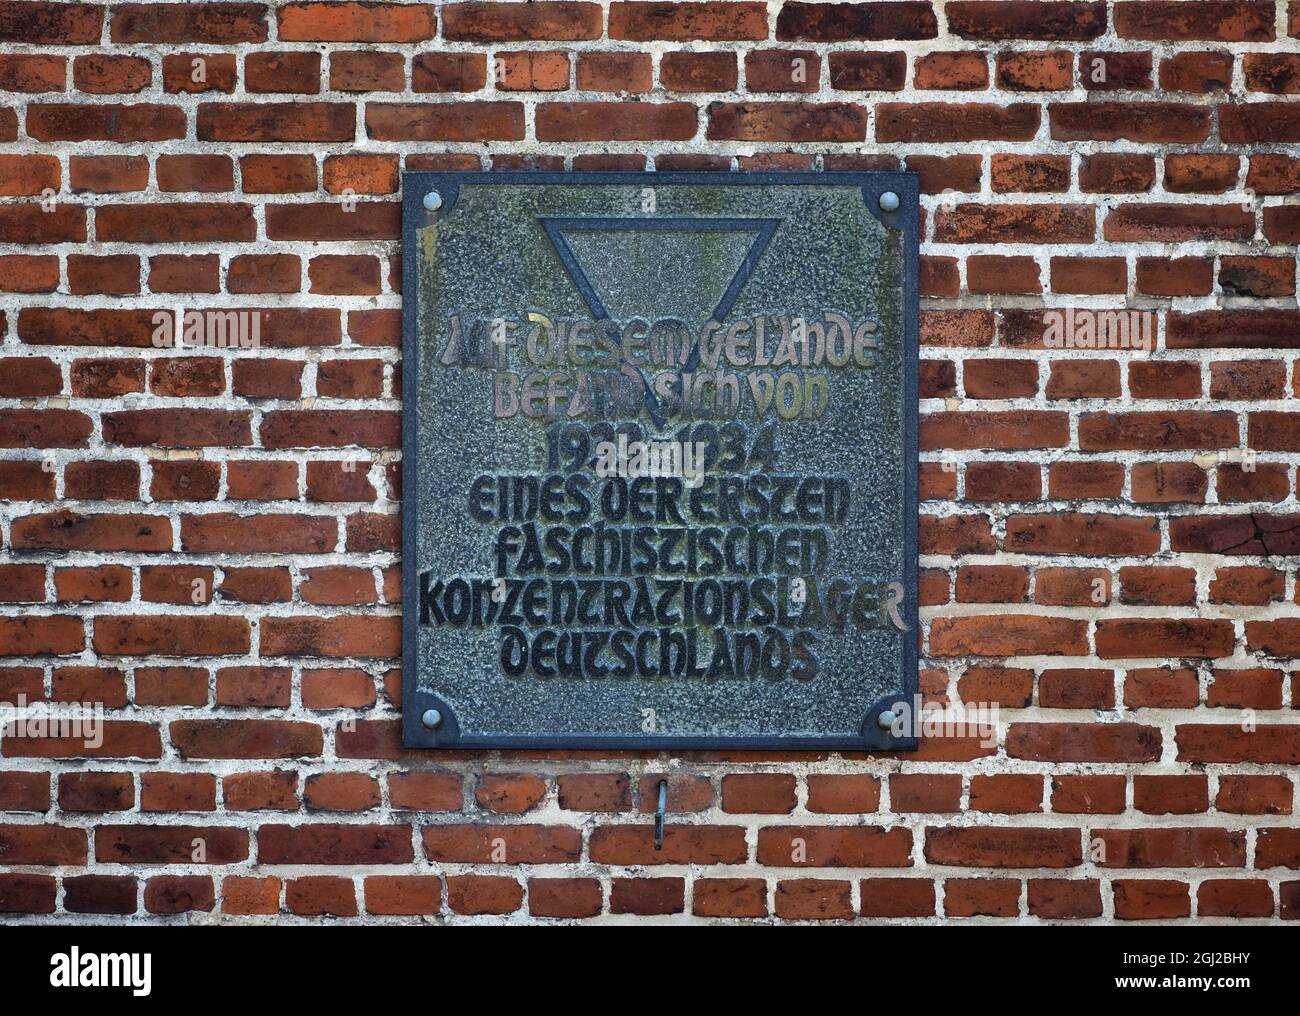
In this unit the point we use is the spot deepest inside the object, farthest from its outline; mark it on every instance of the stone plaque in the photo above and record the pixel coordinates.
(659, 460)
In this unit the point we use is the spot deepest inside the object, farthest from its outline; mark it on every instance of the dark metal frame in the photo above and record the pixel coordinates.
(872, 737)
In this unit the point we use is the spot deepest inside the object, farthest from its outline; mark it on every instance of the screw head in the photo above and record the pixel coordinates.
(889, 201)
(433, 201)
(885, 720)
(432, 719)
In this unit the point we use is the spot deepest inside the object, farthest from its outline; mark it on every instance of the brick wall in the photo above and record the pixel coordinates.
(207, 542)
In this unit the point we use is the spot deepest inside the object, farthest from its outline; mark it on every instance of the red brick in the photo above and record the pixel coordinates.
(617, 72)
(1085, 479)
(404, 895)
(32, 73)
(707, 20)
(28, 175)
(1250, 688)
(22, 273)
(976, 19)
(763, 793)
(647, 896)
(265, 791)
(356, 22)
(1200, 174)
(1083, 742)
(1077, 688)
(28, 223)
(1257, 276)
(1171, 848)
(1175, 276)
(1100, 71)
(498, 844)
(262, 273)
(283, 72)
(1197, 72)
(1064, 899)
(960, 70)
(897, 897)
(277, 174)
(364, 71)
(992, 584)
(1089, 275)
(249, 895)
(184, 273)
(344, 275)
(483, 894)
(981, 897)
(698, 72)
(27, 894)
(564, 897)
(786, 121)
(1171, 795)
(938, 121)
(73, 24)
(1220, 742)
(1163, 122)
(834, 846)
(1003, 848)
(210, 23)
(1223, 20)
(116, 122)
(1234, 898)
(275, 121)
(992, 224)
(1030, 174)
(853, 794)
(1116, 173)
(1088, 795)
(868, 72)
(170, 844)
(321, 896)
(991, 273)
(1040, 71)
(1168, 483)
(196, 73)
(1272, 174)
(178, 791)
(730, 897)
(603, 792)
(455, 72)
(811, 899)
(100, 894)
(1158, 637)
(509, 794)
(1255, 795)
(521, 22)
(96, 792)
(1160, 687)
(102, 74)
(1252, 586)
(826, 22)
(179, 894)
(924, 792)
(341, 792)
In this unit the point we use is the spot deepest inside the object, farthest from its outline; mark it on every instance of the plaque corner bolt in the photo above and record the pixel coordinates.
(432, 201)
(885, 721)
(888, 201)
(431, 718)
(660, 811)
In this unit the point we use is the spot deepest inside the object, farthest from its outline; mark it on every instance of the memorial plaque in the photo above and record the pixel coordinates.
(659, 460)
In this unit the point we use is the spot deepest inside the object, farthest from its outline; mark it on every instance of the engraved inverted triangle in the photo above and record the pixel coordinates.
(691, 268)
